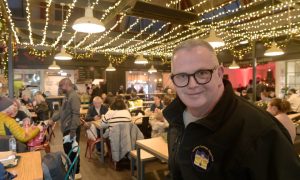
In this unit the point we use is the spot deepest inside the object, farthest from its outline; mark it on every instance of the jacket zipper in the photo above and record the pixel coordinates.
(177, 142)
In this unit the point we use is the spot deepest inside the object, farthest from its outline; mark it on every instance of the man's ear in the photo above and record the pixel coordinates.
(221, 72)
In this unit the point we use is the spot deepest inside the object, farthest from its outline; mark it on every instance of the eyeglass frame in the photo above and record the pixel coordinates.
(211, 71)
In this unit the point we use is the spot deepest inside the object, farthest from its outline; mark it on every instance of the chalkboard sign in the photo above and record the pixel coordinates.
(85, 73)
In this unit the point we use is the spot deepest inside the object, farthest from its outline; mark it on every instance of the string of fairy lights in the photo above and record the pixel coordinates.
(254, 25)
(65, 23)
(3, 40)
(28, 21)
(46, 22)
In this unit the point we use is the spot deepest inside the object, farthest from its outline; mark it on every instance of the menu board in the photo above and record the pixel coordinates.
(85, 73)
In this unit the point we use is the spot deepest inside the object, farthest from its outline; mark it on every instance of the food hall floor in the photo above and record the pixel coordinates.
(93, 169)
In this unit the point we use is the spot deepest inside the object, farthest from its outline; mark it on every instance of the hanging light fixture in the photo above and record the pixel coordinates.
(110, 68)
(88, 23)
(140, 59)
(54, 65)
(152, 69)
(274, 50)
(62, 55)
(234, 65)
(213, 40)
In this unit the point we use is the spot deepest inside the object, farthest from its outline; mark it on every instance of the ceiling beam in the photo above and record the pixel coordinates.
(122, 7)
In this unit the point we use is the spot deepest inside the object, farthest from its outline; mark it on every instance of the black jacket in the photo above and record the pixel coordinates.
(235, 141)
(92, 112)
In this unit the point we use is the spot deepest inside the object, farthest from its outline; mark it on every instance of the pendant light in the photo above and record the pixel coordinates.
(152, 69)
(110, 68)
(274, 50)
(62, 55)
(54, 66)
(140, 59)
(213, 40)
(88, 23)
(234, 65)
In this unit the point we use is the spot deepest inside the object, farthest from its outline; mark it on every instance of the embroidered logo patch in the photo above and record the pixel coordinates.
(202, 158)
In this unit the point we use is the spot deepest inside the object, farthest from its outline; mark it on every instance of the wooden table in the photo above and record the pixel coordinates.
(98, 126)
(156, 146)
(292, 116)
(29, 166)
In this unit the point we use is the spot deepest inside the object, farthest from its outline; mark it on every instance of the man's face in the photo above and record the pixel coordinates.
(63, 87)
(97, 104)
(189, 61)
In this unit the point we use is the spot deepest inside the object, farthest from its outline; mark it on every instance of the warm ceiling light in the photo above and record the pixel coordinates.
(110, 68)
(152, 69)
(141, 60)
(88, 23)
(213, 40)
(274, 50)
(234, 65)
(54, 66)
(63, 55)
(244, 42)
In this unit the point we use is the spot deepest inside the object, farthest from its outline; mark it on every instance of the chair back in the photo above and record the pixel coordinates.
(73, 166)
(145, 127)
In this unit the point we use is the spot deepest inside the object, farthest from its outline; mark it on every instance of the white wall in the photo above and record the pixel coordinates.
(51, 82)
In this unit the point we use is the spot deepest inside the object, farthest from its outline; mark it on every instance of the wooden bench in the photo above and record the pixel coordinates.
(145, 156)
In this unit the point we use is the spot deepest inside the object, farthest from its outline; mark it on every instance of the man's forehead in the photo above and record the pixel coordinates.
(201, 55)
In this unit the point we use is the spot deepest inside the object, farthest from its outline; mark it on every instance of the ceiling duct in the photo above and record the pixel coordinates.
(152, 11)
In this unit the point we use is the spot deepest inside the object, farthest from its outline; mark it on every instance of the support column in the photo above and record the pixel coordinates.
(10, 67)
(254, 62)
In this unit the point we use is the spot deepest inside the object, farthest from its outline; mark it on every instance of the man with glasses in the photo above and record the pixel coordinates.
(213, 133)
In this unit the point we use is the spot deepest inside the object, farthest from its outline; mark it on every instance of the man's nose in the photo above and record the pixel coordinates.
(192, 82)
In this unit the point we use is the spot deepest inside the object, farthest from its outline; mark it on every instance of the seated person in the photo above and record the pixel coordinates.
(22, 107)
(118, 113)
(278, 108)
(294, 100)
(157, 103)
(96, 110)
(135, 101)
(8, 126)
(158, 124)
(109, 99)
(41, 107)
(19, 115)
(167, 100)
(26, 100)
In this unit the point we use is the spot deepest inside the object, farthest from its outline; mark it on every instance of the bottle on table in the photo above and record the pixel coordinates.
(12, 144)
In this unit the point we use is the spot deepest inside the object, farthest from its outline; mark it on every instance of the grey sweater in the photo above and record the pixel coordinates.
(69, 113)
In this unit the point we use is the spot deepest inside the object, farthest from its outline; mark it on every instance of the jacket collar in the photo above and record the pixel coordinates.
(173, 113)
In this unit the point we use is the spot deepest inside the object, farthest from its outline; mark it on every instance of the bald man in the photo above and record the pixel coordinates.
(214, 134)
(69, 115)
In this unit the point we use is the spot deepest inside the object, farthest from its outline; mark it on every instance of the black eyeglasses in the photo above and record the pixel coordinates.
(202, 76)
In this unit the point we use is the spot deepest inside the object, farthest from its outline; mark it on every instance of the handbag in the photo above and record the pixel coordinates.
(38, 140)
(92, 132)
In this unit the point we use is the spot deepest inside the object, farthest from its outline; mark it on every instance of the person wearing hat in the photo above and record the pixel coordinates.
(9, 126)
